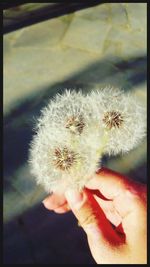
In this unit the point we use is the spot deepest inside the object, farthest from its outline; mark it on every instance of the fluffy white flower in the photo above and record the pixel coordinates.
(121, 117)
(68, 111)
(74, 131)
(58, 163)
(64, 152)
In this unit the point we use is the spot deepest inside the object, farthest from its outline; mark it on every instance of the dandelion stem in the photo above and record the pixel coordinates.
(104, 141)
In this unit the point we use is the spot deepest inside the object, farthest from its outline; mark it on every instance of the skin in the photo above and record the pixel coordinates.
(112, 210)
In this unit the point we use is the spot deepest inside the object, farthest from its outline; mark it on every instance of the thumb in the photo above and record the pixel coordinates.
(91, 217)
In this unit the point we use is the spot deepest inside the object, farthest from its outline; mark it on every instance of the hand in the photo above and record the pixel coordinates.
(112, 211)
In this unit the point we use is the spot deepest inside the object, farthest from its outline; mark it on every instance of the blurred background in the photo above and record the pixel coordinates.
(47, 48)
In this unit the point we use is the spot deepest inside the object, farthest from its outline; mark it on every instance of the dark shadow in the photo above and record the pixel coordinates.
(42, 236)
(137, 70)
(26, 19)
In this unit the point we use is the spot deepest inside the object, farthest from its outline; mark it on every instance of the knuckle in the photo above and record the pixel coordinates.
(87, 218)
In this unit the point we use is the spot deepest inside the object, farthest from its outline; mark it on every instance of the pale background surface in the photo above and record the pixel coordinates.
(91, 48)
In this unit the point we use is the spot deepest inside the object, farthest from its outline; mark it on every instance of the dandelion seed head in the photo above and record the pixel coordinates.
(58, 164)
(74, 131)
(69, 111)
(122, 116)
(63, 151)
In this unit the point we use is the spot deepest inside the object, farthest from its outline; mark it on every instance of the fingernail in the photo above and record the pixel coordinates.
(75, 198)
(43, 201)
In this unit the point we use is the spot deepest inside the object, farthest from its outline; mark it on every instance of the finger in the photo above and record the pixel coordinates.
(135, 225)
(107, 206)
(63, 209)
(110, 211)
(110, 183)
(54, 201)
(92, 218)
(97, 193)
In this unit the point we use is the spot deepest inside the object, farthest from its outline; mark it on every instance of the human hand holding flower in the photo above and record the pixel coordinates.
(112, 211)
(73, 133)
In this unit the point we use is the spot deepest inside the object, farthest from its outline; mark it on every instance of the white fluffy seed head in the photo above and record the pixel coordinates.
(58, 163)
(64, 150)
(74, 131)
(121, 117)
(69, 111)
